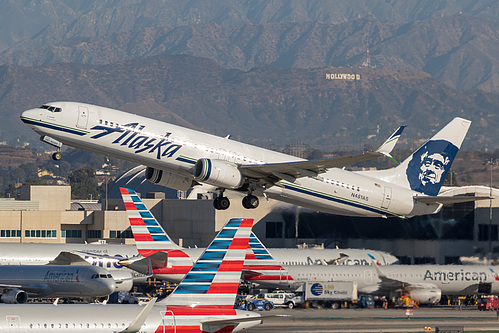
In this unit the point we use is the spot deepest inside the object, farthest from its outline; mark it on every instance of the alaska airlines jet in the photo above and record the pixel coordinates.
(426, 283)
(151, 238)
(180, 158)
(202, 302)
(17, 282)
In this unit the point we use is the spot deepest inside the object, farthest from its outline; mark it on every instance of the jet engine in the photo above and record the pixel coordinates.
(218, 173)
(427, 295)
(168, 179)
(15, 296)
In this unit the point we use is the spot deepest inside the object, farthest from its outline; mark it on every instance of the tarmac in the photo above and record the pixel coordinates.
(450, 319)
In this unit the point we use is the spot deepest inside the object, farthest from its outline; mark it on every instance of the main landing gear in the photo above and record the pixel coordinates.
(222, 203)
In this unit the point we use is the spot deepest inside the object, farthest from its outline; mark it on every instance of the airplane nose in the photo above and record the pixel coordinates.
(29, 115)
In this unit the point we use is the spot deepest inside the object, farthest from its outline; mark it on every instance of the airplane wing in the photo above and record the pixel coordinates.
(240, 320)
(32, 288)
(68, 258)
(311, 168)
(448, 200)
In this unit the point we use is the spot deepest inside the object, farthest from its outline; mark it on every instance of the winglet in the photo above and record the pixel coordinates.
(137, 323)
(387, 146)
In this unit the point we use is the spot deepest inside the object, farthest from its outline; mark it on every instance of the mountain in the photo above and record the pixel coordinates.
(459, 50)
(264, 106)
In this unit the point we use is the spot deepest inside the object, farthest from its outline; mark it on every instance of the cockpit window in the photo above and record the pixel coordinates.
(51, 108)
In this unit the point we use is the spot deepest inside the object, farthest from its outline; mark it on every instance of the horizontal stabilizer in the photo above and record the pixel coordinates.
(68, 258)
(448, 200)
(141, 264)
(240, 320)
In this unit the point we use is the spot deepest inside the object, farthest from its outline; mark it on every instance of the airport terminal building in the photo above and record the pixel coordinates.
(46, 214)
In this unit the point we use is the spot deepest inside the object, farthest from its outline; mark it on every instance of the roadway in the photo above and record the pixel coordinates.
(378, 320)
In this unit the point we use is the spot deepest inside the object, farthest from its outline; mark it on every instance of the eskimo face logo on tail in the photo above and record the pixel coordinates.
(429, 166)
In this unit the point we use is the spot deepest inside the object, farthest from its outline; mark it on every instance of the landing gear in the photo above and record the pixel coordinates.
(56, 156)
(250, 201)
(221, 203)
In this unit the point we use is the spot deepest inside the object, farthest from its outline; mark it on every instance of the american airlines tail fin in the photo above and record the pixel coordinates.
(260, 265)
(425, 170)
(149, 235)
(214, 279)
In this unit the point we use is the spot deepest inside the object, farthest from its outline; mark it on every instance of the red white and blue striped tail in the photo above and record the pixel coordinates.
(149, 235)
(259, 265)
(214, 279)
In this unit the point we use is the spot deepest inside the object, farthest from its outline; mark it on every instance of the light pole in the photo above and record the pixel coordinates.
(491, 162)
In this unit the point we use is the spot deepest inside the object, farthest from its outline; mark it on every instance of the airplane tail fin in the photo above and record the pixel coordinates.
(259, 264)
(149, 235)
(214, 279)
(425, 170)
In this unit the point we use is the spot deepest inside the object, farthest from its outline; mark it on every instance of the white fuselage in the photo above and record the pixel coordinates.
(450, 279)
(41, 254)
(176, 149)
(58, 280)
(101, 318)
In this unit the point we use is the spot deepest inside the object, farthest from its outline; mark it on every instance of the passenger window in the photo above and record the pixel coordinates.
(100, 121)
(111, 124)
(105, 123)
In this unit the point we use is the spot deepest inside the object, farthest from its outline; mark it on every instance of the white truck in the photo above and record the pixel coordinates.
(323, 294)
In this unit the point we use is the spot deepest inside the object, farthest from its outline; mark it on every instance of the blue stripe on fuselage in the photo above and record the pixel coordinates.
(341, 201)
(52, 126)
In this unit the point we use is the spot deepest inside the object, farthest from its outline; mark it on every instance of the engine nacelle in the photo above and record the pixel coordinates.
(168, 179)
(218, 173)
(123, 279)
(427, 295)
(15, 296)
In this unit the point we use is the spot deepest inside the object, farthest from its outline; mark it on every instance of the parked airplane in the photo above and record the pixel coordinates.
(17, 282)
(180, 158)
(150, 238)
(202, 302)
(426, 283)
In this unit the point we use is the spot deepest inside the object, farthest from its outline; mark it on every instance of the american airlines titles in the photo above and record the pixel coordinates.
(133, 138)
(61, 276)
(455, 276)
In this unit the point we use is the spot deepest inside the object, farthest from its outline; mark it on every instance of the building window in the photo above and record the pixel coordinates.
(485, 235)
(40, 233)
(94, 233)
(121, 233)
(424, 260)
(273, 229)
(71, 233)
(10, 233)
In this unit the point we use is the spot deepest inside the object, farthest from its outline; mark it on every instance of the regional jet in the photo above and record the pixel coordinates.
(151, 238)
(17, 282)
(426, 283)
(181, 158)
(202, 302)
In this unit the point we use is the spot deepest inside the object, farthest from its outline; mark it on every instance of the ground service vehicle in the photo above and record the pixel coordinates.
(488, 303)
(253, 303)
(277, 298)
(324, 294)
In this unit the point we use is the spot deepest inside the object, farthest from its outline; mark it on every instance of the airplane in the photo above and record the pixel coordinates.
(17, 282)
(180, 158)
(151, 238)
(202, 302)
(426, 283)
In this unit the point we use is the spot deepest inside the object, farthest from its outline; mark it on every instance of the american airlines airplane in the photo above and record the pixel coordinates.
(181, 158)
(17, 282)
(202, 302)
(151, 238)
(426, 283)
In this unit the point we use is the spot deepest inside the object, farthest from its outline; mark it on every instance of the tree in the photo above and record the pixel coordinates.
(83, 184)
